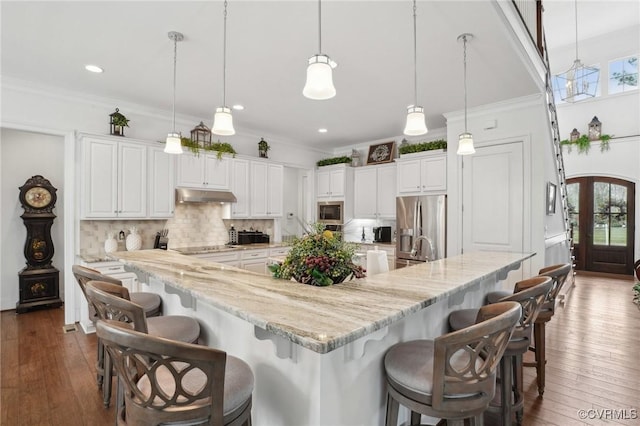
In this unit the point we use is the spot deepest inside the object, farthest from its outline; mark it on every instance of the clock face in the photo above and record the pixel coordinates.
(38, 197)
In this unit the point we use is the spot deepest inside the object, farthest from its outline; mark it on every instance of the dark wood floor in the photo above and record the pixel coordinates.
(593, 351)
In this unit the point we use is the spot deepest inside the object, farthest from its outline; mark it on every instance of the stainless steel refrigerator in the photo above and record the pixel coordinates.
(417, 216)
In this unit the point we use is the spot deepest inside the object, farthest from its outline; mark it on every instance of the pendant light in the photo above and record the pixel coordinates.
(416, 124)
(174, 144)
(223, 120)
(465, 142)
(579, 82)
(319, 85)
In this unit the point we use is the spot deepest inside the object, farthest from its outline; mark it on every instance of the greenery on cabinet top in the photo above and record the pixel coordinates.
(423, 146)
(334, 160)
(584, 143)
(219, 147)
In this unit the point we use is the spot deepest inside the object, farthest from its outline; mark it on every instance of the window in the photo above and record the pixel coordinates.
(623, 75)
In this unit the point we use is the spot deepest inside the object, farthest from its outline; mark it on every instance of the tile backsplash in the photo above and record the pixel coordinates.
(191, 225)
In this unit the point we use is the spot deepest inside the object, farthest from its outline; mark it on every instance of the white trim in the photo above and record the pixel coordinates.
(496, 107)
(555, 240)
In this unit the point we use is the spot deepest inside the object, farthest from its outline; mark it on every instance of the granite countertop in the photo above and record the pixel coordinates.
(320, 318)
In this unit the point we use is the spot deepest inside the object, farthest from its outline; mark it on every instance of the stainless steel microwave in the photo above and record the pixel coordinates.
(331, 212)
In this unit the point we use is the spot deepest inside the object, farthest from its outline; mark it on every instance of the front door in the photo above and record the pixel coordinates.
(602, 212)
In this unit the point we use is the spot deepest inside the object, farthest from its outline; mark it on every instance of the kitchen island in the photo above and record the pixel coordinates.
(317, 352)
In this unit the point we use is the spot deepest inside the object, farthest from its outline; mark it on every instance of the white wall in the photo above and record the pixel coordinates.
(525, 120)
(25, 154)
(47, 107)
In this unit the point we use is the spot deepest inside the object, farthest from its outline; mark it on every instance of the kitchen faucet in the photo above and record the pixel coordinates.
(414, 249)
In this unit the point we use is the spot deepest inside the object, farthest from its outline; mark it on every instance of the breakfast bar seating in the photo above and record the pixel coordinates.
(112, 303)
(151, 303)
(167, 381)
(454, 376)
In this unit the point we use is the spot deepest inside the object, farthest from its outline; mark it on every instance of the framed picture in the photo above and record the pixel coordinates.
(551, 198)
(381, 153)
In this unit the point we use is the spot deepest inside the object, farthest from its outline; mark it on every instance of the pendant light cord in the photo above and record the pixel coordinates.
(320, 27)
(464, 41)
(415, 60)
(175, 61)
(576, 16)
(224, 59)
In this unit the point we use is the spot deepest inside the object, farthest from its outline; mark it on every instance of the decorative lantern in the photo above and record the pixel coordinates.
(575, 134)
(201, 134)
(355, 158)
(117, 123)
(595, 129)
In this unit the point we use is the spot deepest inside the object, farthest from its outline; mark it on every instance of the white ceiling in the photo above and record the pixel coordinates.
(268, 45)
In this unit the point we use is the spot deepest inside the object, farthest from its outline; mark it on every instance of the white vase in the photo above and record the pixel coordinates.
(134, 240)
(110, 244)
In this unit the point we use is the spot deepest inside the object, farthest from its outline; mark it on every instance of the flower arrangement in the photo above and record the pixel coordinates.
(319, 259)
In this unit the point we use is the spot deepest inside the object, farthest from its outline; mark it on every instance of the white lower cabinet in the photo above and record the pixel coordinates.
(228, 258)
(254, 260)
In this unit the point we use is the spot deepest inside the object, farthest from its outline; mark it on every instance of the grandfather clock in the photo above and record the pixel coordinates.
(39, 280)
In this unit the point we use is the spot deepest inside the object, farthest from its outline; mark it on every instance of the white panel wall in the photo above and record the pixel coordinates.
(24, 154)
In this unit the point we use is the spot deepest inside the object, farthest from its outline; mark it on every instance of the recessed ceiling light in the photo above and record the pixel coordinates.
(238, 107)
(322, 130)
(93, 68)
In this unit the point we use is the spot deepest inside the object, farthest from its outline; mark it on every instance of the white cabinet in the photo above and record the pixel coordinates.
(266, 189)
(113, 179)
(161, 183)
(422, 173)
(227, 258)
(332, 181)
(254, 260)
(375, 192)
(240, 188)
(203, 171)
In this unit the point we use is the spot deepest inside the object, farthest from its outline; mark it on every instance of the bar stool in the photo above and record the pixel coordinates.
(559, 274)
(150, 302)
(171, 382)
(112, 303)
(453, 376)
(531, 295)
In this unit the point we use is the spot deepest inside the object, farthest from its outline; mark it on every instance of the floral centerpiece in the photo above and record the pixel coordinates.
(319, 259)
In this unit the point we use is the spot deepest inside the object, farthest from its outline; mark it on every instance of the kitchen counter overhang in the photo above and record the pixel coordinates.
(321, 318)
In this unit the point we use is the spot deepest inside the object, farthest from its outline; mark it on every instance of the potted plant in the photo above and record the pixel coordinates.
(584, 143)
(219, 147)
(334, 160)
(263, 147)
(118, 122)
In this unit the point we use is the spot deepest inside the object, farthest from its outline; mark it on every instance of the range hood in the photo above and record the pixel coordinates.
(188, 195)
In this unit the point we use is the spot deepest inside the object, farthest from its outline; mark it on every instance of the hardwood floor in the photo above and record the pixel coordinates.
(593, 347)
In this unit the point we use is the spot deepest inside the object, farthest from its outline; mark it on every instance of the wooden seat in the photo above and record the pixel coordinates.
(558, 274)
(531, 295)
(150, 302)
(112, 302)
(453, 376)
(167, 382)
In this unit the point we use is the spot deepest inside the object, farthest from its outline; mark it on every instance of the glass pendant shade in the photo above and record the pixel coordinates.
(416, 124)
(174, 144)
(319, 85)
(465, 144)
(223, 122)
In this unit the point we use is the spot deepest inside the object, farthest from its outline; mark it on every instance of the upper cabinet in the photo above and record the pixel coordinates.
(375, 192)
(240, 188)
(266, 189)
(161, 183)
(422, 173)
(203, 170)
(333, 181)
(114, 179)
